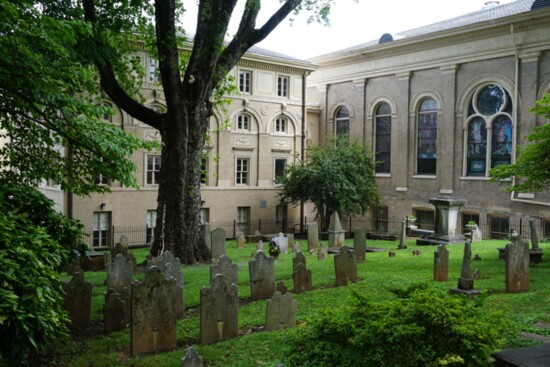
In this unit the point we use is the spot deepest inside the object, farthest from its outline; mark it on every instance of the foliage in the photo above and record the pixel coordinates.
(35, 241)
(336, 177)
(273, 247)
(532, 166)
(422, 327)
(51, 110)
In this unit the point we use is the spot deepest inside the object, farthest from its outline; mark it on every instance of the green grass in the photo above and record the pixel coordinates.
(378, 275)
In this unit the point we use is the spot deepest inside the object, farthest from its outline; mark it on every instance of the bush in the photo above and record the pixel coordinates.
(422, 327)
(31, 293)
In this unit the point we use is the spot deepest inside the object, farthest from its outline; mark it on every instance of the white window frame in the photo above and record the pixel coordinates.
(150, 224)
(243, 122)
(153, 75)
(283, 83)
(242, 176)
(281, 125)
(101, 236)
(245, 81)
(275, 169)
(205, 165)
(154, 178)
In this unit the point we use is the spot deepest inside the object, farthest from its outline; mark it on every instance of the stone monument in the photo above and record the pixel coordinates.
(336, 235)
(446, 222)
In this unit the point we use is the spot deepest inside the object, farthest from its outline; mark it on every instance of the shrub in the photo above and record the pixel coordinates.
(421, 327)
(31, 293)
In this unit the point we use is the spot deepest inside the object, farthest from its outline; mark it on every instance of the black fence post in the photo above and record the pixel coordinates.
(260, 225)
(234, 228)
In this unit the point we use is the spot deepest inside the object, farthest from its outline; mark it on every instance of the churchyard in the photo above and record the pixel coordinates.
(529, 312)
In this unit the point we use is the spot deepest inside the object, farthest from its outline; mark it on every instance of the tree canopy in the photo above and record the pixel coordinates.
(532, 166)
(336, 177)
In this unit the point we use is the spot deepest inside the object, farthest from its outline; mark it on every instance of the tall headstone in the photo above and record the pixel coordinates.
(260, 246)
(207, 235)
(115, 310)
(119, 248)
(403, 237)
(466, 280)
(219, 311)
(299, 258)
(262, 277)
(345, 266)
(360, 244)
(535, 253)
(154, 314)
(119, 274)
(78, 300)
(218, 243)
(441, 264)
(280, 312)
(302, 279)
(225, 268)
(312, 236)
(74, 267)
(322, 252)
(517, 265)
(241, 239)
(476, 234)
(170, 267)
(191, 359)
(290, 241)
(336, 235)
(446, 222)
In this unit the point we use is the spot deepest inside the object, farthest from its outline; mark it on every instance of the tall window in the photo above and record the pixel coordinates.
(243, 122)
(150, 226)
(243, 215)
(490, 108)
(204, 215)
(241, 171)
(342, 121)
(153, 169)
(282, 86)
(101, 230)
(154, 73)
(427, 138)
(204, 171)
(281, 218)
(280, 125)
(280, 166)
(245, 77)
(383, 138)
(499, 227)
(380, 219)
(425, 219)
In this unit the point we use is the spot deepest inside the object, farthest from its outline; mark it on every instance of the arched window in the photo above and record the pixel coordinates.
(383, 138)
(243, 122)
(342, 121)
(281, 125)
(490, 107)
(427, 138)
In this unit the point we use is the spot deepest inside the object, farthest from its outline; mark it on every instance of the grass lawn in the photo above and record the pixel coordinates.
(377, 275)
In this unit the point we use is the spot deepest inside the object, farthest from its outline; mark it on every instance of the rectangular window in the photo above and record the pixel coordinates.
(427, 143)
(425, 219)
(150, 226)
(153, 169)
(467, 218)
(280, 125)
(499, 227)
(281, 218)
(383, 144)
(154, 73)
(101, 234)
(204, 171)
(380, 219)
(204, 215)
(280, 166)
(241, 171)
(282, 86)
(546, 229)
(243, 122)
(243, 215)
(245, 77)
(103, 180)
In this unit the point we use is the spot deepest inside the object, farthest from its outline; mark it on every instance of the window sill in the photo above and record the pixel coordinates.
(429, 177)
(387, 175)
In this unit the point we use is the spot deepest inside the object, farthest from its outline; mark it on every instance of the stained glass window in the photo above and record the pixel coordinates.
(427, 138)
(383, 138)
(342, 121)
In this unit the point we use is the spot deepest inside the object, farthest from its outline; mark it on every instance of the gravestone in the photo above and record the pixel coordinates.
(132, 259)
(296, 247)
(345, 266)
(78, 300)
(107, 257)
(74, 267)
(517, 265)
(360, 244)
(115, 310)
(207, 235)
(476, 234)
(391, 254)
(219, 311)
(535, 254)
(302, 279)
(336, 235)
(290, 241)
(299, 258)
(446, 222)
(218, 243)
(322, 252)
(281, 287)
(312, 236)
(441, 264)
(466, 280)
(262, 277)
(154, 313)
(170, 267)
(403, 237)
(225, 268)
(241, 239)
(282, 241)
(191, 359)
(416, 252)
(121, 247)
(260, 246)
(476, 274)
(280, 312)
(119, 280)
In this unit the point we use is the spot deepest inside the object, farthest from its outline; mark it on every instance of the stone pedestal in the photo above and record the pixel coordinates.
(446, 222)
(336, 235)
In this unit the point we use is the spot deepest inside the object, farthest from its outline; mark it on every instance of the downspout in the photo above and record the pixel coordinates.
(514, 139)
(303, 147)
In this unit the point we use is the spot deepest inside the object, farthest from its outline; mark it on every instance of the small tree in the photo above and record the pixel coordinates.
(532, 165)
(338, 177)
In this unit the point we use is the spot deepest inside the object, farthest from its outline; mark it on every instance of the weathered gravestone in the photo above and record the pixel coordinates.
(154, 313)
(281, 287)
(74, 267)
(119, 280)
(517, 265)
(218, 243)
(535, 254)
(78, 300)
(282, 241)
(441, 264)
(466, 280)
(280, 312)
(241, 239)
(191, 359)
(312, 236)
(345, 266)
(299, 258)
(219, 311)
(403, 237)
(302, 278)
(360, 244)
(260, 246)
(116, 311)
(290, 241)
(476, 234)
(225, 268)
(296, 247)
(322, 252)
(107, 257)
(120, 248)
(262, 277)
(336, 235)
(207, 235)
(170, 267)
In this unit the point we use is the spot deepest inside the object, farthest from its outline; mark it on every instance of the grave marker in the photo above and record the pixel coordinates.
(517, 265)
(78, 300)
(280, 312)
(466, 280)
(219, 311)
(262, 277)
(345, 266)
(191, 359)
(312, 236)
(218, 243)
(441, 264)
(170, 267)
(360, 244)
(336, 235)
(225, 268)
(302, 279)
